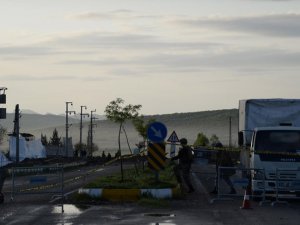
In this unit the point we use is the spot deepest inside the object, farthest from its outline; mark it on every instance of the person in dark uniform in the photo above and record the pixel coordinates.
(185, 156)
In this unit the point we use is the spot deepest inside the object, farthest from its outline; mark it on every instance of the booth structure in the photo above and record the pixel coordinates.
(3, 160)
(28, 147)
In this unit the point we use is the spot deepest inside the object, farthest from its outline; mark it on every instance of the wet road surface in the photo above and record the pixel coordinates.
(194, 208)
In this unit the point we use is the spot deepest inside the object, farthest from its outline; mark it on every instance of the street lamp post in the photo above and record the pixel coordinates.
(68, 126)
(81, 115)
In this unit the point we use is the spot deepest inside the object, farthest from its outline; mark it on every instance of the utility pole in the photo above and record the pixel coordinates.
(68, 126)
(91, 132)
(81, 115)
(16, 132)
(230, 139)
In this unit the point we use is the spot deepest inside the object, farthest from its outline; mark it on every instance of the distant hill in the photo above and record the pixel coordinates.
(106, 132)
(34, 121)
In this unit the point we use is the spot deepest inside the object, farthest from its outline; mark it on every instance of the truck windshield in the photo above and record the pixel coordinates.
(278, 141)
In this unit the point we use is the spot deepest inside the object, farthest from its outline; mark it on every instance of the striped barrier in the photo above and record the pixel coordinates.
(129, 194)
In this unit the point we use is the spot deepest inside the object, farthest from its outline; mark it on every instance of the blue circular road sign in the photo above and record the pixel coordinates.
(157, 132)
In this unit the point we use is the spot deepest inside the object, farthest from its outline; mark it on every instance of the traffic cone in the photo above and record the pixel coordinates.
(246, 202)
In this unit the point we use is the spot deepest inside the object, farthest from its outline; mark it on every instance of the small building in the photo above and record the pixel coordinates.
(28, 147)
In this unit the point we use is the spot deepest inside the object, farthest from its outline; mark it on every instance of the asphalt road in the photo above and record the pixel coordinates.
(193, 209)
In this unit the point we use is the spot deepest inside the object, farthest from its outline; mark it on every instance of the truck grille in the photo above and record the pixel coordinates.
(284, 176)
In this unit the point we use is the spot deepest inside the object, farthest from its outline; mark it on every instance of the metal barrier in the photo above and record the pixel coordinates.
(202, 156)
(282, 185)
(38, 180)
(203, 164)
(233, 181)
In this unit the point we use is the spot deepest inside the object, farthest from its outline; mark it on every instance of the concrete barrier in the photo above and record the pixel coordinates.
(129, 194)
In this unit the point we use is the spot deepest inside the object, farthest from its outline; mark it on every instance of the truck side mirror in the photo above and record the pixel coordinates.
(2, 98)
(241, 138)
(2, 113)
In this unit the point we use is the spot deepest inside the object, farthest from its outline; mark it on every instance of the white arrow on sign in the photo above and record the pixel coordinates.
(157, 133)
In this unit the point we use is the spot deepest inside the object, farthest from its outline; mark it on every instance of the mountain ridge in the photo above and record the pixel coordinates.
(106, 132)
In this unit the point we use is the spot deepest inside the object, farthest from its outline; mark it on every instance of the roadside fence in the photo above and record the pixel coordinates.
(282, 185)
(233, 181)
(38, 180)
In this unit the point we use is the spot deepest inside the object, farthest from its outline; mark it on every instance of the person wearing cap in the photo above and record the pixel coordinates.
(185, 156)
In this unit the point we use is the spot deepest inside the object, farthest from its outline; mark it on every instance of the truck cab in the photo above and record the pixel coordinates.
(276, 150)
(269, 137)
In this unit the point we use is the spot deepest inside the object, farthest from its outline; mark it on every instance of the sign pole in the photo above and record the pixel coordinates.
(173, 139)
(172, 149)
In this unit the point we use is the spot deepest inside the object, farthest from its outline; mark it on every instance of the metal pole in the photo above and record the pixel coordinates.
(91, 134)
(81, 115)
(62, 189)
(17, 124)
(230, 143)
(67, 126)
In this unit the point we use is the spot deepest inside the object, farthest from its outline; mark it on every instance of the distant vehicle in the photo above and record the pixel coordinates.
(269, 134)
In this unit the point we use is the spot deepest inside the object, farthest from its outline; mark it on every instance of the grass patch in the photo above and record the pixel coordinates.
(132, 179)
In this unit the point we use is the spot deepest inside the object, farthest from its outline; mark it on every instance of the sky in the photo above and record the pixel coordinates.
(170, 56)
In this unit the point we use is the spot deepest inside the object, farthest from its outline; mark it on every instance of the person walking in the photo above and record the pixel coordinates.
(185, 156)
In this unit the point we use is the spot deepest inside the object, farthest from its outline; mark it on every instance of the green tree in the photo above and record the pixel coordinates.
(3, 132)
(201, 140)
(141, 126)
(44, 140)
(108, 158)
(214, 139)
(103, 156)
(55, 140)
(118, 113)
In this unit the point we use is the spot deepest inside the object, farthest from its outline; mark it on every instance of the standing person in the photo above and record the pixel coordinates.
(185, 156)
(224, 160)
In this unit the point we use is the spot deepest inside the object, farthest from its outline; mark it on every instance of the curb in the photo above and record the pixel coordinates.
(129, 194)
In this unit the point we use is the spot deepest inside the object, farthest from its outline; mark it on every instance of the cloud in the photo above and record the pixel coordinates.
(30, 78)
(272, 0)
(276, 25)
(246, 59)
(25, 50)
(94, 15)
(38, 78)
(109, 41)
(112, 15)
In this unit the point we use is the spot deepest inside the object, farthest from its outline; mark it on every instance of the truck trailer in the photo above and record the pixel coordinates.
(269, 137)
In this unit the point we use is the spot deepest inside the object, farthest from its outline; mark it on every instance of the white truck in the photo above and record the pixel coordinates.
(269, 136)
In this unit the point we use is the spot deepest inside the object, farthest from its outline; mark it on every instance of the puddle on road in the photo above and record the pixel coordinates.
(163, 223)
(112, 217)
(70, 209)
(7, 215)
(166, 222)
(159, 214)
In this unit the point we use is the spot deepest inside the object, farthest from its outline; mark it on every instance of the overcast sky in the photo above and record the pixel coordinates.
(167, 55)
